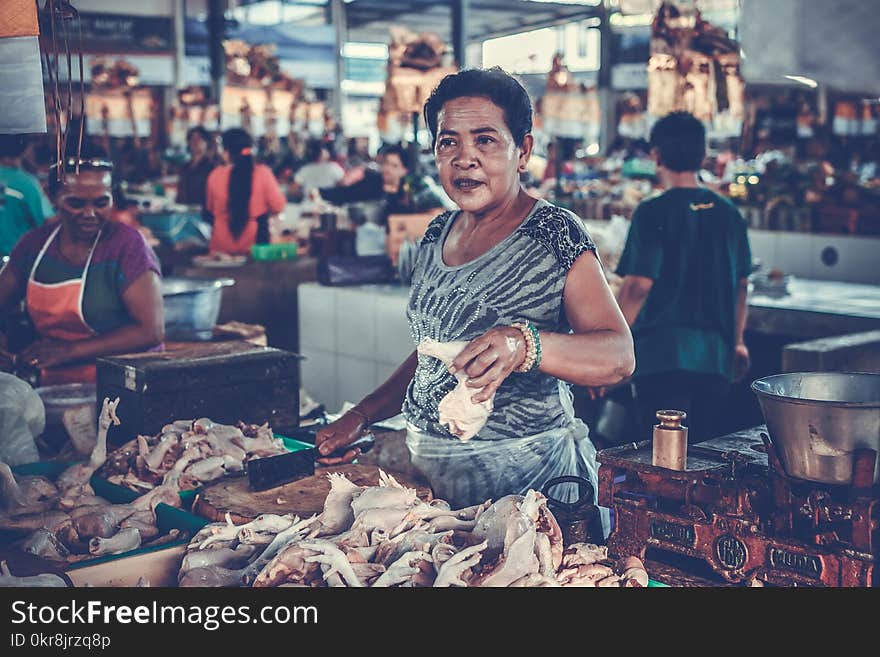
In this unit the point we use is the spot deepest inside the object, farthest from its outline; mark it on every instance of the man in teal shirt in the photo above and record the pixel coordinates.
(685, 267)
(23, 205)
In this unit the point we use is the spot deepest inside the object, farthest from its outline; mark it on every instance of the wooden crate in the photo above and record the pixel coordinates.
(224, 381)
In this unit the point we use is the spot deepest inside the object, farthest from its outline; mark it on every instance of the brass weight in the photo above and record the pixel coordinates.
(670, 440)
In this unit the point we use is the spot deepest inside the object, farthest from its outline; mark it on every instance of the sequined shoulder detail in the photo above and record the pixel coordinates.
(435, 228)
(560, 232)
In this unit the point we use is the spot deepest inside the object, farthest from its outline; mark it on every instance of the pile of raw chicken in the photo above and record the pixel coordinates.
(385, 536)
(64, 520)
(200, 452)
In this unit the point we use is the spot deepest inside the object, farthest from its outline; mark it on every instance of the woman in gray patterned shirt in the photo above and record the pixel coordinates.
(505, 258)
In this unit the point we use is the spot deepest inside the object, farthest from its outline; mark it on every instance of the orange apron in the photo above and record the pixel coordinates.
(56, 311)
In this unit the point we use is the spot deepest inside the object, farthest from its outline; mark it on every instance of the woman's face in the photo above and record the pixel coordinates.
(197, 145)
(393, 170)
(477, 158)
(84, 203)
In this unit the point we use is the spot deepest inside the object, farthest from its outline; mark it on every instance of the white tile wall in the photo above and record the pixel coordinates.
(317, 317)
(795, 253)
(764, 245)
(801, 254)
(356, 324)
(858, 259)
(383, 371)
(355, 378)
(353, 339)
(318, 376)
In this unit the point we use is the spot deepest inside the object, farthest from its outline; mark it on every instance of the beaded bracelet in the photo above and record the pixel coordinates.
(533, 346)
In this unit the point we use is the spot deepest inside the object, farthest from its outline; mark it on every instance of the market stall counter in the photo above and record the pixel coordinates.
(815, 309)
(264, 293)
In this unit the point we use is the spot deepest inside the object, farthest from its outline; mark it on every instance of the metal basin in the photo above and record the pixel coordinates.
(817, 419)
(192, 306)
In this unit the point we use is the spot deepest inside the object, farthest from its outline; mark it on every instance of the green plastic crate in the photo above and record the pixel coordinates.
(267, 252)
(292, 444)
(167, 517)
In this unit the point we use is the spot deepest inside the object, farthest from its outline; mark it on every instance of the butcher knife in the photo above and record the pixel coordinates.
(273, 471)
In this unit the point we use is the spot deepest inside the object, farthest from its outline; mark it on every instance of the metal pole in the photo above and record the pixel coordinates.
(558, 161)
(414, 148)
(607, 126)
(338, 19)
(460, 10)
(179, 43)
(216, 35)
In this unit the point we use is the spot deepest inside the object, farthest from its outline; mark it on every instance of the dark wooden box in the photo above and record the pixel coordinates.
(223, 381)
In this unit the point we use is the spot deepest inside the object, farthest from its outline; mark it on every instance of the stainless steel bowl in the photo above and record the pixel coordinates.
(192, 306)
(817, 419)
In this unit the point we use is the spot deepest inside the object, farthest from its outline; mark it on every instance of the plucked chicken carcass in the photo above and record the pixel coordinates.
(25, 494)
(458, 412)
(64, 520)
(385, 536)
(44, 580)
(196, 451)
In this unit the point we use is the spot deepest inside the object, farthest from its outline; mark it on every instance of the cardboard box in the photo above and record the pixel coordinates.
(158, 568)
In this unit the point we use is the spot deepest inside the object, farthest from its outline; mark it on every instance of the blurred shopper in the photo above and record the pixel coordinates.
(293, 157)
(23, 205)
(241, 195)
(321, 170)
(385, 185)
(685, 268)
(192, 186)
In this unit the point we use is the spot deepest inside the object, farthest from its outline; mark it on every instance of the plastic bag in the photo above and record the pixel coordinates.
(22, 418)
(469, 473)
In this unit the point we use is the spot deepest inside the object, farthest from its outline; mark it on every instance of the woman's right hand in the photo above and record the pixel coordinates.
(337, 435)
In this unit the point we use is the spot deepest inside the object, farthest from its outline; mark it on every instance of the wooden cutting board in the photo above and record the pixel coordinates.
(303, 497)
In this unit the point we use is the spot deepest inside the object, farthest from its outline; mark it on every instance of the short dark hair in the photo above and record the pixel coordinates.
(680, 140)
(314, 148)
(493, 83)
(12, 145)
(199, 130)
(399, 151)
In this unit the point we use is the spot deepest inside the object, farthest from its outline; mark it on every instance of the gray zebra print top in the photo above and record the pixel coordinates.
(519, 279)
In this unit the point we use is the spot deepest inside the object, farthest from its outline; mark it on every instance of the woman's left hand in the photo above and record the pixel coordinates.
(489, 359)
(46, 353)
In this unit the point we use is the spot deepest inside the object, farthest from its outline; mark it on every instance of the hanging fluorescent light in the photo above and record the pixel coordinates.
(810, 82)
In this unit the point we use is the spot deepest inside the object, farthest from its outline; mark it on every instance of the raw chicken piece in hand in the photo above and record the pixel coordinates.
(458, 412)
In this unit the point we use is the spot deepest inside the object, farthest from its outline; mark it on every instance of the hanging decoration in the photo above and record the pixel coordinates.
(568, 108)
(416, 64)
(259, 95)
(694, 67)
(117, 105)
